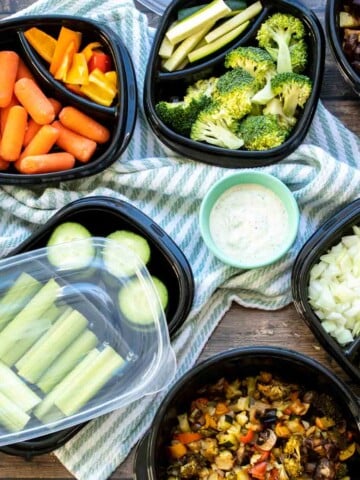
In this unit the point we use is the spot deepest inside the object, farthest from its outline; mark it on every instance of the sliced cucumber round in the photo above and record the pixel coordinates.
(136, 253)
(72, 255)
(135, 300)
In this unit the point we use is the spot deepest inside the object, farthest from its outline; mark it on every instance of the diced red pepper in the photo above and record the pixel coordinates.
(99, 60)
(247, 437)
(258, 470)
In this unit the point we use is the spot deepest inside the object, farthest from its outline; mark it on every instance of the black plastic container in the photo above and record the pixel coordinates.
(239, 363)
(163, 86)
(119, 118)
(103, 215)
(334, 34)
(320, 242)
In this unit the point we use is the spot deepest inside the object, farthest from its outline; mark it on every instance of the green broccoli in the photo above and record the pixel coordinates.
(299, 56)
(278, 34)
(293, 445)
(215, 126)
(180, 116)
(261, 132)
(254, 60)
(341, 471)
(234, 91)
(293, 467)
(201, 87)
(293, 89)
(275, 107)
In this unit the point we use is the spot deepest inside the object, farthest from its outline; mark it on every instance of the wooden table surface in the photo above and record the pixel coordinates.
(240, 326)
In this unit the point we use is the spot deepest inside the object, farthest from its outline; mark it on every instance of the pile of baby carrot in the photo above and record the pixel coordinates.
(37, 134)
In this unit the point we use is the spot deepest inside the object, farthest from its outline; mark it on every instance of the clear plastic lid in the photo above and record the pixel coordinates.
(82, 332)
(158, 7)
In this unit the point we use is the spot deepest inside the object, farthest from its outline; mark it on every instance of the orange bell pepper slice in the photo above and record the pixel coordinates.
(66, 62)
(41, 42)
(177, 450)
(65, 38)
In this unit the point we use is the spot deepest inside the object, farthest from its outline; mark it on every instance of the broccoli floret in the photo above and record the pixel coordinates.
(215, 127)
(292, 459)
(180, 116)
(275, 107)
(293, 445)
(201, 87)
(234, 91)
(293, 89)
(261, 132)
(299, 56)
(277, 35)
(254, 60)
(341, 470)
(293, 467)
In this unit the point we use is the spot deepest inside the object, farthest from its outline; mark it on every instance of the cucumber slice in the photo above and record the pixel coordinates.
(136, 254)
(136, 303)
(71, 256)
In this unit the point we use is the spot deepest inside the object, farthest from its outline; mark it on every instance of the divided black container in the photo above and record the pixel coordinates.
(329, 234)
(239, 363)
(334, 34)
(119, 118)
(102, 216)
(164, 86)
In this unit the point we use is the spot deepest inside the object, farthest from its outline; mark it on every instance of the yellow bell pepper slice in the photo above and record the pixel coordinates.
(41, 42)
(65, 38)
(88, 50)
(99, 89)
(112, 77)
(78, 73)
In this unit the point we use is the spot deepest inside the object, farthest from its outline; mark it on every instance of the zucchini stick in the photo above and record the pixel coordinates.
(197, 21)
(45, 411)
(234, 22)
(43, 323)
(16, 297)
(185, 47)
(16, 390)
(11, 416)
(212, 47)
(24, 324)
(89, 381)
(59, 337)
(65, 362)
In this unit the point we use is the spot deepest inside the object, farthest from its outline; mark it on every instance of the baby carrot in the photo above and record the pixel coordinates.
(9, 62)
(49, 162)
(14, 132)
(56, 104)
(4, 112)
(81, 147)
(84, 125)
(34, 100)
(42, 142)
(23, 71)
(31, 131)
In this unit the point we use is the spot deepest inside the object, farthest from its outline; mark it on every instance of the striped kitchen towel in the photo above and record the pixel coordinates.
(323, 174)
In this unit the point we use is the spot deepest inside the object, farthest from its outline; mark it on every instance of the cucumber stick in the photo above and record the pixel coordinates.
(250, 12)
(24, 323)
(89, 381)
(197, 21)
(68, 359)
(16, 297)
(16, 390)
(11, 416)
(42, 325)
(43, 353)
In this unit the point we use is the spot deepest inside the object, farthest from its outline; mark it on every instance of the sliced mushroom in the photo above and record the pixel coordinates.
(267, 440)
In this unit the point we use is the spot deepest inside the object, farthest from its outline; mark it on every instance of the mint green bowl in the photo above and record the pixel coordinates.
(258, 179)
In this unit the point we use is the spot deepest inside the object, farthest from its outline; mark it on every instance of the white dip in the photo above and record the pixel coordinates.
(249, 223)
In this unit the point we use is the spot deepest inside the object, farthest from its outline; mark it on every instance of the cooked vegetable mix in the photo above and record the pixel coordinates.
(260, 427)
(349, 22)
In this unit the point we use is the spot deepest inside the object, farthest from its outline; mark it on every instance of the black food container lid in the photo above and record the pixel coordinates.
(101, 216)
(119, 118)
(164, 86)
(326, 236)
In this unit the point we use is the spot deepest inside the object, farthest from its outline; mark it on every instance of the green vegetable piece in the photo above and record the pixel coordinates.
(46, 410)
(217, 44)
(12, 417)
(74, 256)
(137, 303)
(262, 132)
(123, 262)
(293, 89)
(17, 297)
(16, 390)
(186, 12)
(248, 14)
(43, 323)
(24, 325)
(197, 21)
(67, 360)
(89, 382)
(58, 337)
